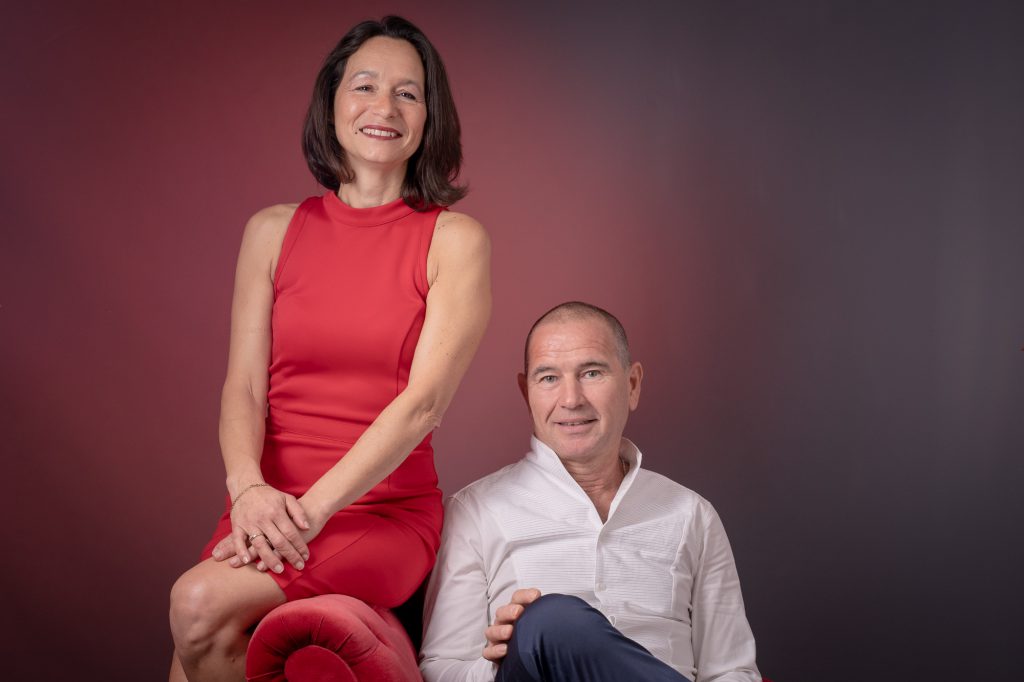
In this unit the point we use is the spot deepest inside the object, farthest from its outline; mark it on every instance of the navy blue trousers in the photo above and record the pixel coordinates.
(564, 639)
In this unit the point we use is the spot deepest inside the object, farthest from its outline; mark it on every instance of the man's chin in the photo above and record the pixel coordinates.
(576, 447)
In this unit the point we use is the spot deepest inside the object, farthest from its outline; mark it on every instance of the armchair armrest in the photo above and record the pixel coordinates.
(330, 638)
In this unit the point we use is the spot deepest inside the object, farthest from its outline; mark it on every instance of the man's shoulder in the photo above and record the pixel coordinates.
(656, 489)
(502, 482)
(653, 480)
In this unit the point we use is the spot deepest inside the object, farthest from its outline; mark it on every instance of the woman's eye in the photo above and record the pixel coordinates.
(409, 96)
(363, 88)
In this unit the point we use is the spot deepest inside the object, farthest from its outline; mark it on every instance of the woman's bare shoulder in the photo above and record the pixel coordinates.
(461, 230)
(265, 230)
(264, 235)
(272, 219)
(460, 242)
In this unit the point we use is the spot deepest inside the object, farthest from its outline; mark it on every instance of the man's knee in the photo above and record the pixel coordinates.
(556, 620)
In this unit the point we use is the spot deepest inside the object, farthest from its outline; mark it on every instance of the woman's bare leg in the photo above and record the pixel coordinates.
(177, 672)
(213, 608)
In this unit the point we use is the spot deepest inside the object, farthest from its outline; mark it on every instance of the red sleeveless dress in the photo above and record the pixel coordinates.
(350, 298)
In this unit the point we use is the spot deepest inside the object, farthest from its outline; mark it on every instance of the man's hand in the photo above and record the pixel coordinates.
(500, 632)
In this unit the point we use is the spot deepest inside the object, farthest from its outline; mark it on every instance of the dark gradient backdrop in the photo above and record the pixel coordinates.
(807, 214)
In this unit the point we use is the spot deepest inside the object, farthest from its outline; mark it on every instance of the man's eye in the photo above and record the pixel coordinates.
(547, 379)
(591, 374)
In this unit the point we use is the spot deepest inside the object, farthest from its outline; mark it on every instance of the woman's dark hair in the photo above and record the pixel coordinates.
(433, 168)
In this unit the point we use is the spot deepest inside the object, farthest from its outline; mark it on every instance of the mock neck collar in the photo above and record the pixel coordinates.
(365, 217)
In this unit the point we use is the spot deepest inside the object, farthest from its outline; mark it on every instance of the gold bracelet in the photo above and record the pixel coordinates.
(245, 490)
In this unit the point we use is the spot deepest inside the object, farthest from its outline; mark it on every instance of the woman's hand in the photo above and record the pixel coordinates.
(266, 524)
(318, 519)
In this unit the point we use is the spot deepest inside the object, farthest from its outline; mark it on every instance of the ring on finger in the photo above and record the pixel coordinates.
(258, 534)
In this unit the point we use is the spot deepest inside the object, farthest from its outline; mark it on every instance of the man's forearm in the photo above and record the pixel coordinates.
(453, 670)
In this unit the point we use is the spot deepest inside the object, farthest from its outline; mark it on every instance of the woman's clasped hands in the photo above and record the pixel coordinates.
(268, 525)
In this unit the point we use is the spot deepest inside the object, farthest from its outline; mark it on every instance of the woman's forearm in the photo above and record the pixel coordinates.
(458, 307)
(385, 444)
(242, 425)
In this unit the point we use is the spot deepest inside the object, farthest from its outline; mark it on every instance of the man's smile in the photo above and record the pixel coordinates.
(575, 422)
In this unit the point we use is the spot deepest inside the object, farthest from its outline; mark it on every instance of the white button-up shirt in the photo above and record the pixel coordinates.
(660, 568)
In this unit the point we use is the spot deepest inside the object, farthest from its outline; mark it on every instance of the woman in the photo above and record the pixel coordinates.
(366, 305)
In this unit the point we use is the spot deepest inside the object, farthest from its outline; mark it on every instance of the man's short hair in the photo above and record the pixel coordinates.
(572, 310)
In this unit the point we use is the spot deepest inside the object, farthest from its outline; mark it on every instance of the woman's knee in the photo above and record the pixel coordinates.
(212, 604)
(194, 615)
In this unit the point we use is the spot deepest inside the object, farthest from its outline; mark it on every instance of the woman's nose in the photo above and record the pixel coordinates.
(384, 104)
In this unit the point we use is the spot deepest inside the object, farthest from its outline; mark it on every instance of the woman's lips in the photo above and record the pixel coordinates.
(380, 132)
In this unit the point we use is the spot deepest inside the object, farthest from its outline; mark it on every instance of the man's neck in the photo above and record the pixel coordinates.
(599, 479)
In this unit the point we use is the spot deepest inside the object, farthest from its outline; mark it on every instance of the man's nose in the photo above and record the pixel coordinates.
(571, 395)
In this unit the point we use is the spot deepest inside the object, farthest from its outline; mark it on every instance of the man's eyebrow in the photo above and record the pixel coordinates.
(541, 369)
(589, 364)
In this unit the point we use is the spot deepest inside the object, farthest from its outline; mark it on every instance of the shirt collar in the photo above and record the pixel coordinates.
(545, 458)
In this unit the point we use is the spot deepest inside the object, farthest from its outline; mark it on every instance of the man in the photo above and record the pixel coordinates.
(636, 572)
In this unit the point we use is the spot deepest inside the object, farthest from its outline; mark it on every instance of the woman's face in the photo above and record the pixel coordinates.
(380, 107)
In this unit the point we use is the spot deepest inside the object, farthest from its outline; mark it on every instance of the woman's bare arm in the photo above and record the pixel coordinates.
(244, 397)
(458, 308)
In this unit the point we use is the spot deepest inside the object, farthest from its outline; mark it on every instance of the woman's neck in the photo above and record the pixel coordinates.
(372, 187)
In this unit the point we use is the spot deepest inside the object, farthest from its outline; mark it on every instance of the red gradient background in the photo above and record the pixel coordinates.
(807, 215)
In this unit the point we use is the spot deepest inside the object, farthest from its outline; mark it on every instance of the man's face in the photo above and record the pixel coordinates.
(579, 393)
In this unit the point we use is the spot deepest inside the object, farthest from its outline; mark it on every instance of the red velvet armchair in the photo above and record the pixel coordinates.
(335, 638)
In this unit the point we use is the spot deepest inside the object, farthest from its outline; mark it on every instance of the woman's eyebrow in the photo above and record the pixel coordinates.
(374, 74)
(364, 72)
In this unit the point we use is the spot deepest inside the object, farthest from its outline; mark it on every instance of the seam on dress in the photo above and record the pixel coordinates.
(315, 436)
(291, 236)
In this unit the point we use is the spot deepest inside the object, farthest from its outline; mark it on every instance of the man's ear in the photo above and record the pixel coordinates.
(521, 378)
(636, 375)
